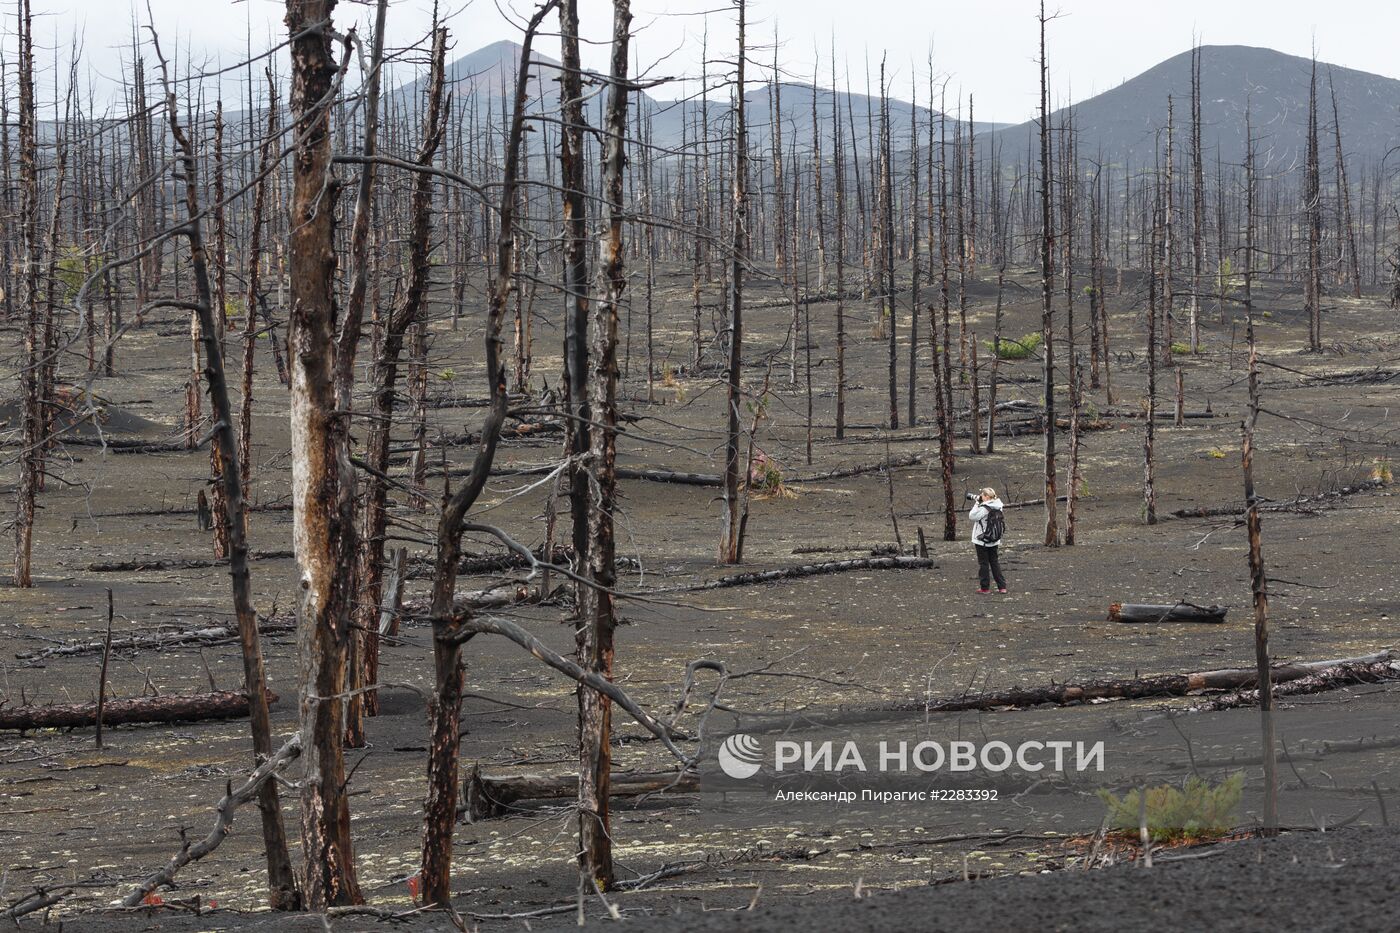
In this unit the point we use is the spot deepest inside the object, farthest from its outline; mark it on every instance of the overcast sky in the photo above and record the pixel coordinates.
(987, 47)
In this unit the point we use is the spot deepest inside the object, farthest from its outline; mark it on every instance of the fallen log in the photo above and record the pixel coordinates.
(1300, 503)
(485, 797)
(705, 479)
(1180, 612)
(212, 635)
(178, 563)
(223, 821)
(1331, 678)
(474, 564)
(829, 548)
(36, 900)
(670, 476)
(1137, 688)
(1026, 503)
(1088, 424)
(656, 476)
(193, 707)
(118, 446)
(712, 479)
(528, 429)
(860, 470)
(447, 401)
(810, 570)
(180, 510)
(1161, 415)
(501, 596)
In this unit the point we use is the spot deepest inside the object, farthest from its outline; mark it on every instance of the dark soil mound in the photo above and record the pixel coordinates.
(86, 416)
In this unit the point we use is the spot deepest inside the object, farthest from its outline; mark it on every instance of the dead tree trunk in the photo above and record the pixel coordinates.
(1248, 218)
(1167, 199)
(1068, 194)
(365, 588)
(999, 236)
(731, 534)
(597, 613)
(1096, 306)
(912, 383)
(786, 264)
(1347, 225)
(944, 417)
(1101, 290)
(1312, 210)
(960, 215)
(251, 297)
(943, 366)
(221, 543)
(886, 257)
(195, 707)
(33, 432)
(819, 192)
(1259, 586)
(575, 271)
(1198, 202)
(1047, 318)
(838, 172)
(445, 705)
(282, 886)
(1149, 492)
(323, 527)
(1076, 432)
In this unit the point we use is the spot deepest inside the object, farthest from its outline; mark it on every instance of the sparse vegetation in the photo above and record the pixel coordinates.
(1023, 349)
(1195, 811)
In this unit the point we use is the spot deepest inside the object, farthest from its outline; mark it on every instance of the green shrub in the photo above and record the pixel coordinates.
(1196, 810)
(1021, 349)
(70, 270)
(1226, 280)
(1181, 347)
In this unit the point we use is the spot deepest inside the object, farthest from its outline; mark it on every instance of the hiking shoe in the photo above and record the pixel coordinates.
(1001, 589)
(984, 592)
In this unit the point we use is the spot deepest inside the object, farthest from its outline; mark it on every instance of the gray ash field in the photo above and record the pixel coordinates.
(829, 645)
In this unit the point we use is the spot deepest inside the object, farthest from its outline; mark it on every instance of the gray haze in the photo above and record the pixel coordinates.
(988, 48)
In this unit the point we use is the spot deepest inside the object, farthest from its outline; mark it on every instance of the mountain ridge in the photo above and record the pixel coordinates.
(1121, 125)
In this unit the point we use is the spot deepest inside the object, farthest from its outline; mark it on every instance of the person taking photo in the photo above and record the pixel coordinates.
(988, 527)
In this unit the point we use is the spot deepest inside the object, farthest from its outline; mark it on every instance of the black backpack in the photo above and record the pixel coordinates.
(993, 526)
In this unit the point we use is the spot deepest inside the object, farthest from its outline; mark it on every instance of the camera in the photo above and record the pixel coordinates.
(970, 496)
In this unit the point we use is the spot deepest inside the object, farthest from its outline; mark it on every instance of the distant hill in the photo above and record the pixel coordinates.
(489, 75)
(1122, 123)
(484, 78)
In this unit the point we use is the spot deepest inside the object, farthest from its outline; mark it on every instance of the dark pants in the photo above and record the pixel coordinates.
(989, 567)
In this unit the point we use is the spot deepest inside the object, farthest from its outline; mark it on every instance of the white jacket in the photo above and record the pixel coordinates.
(978, 516)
